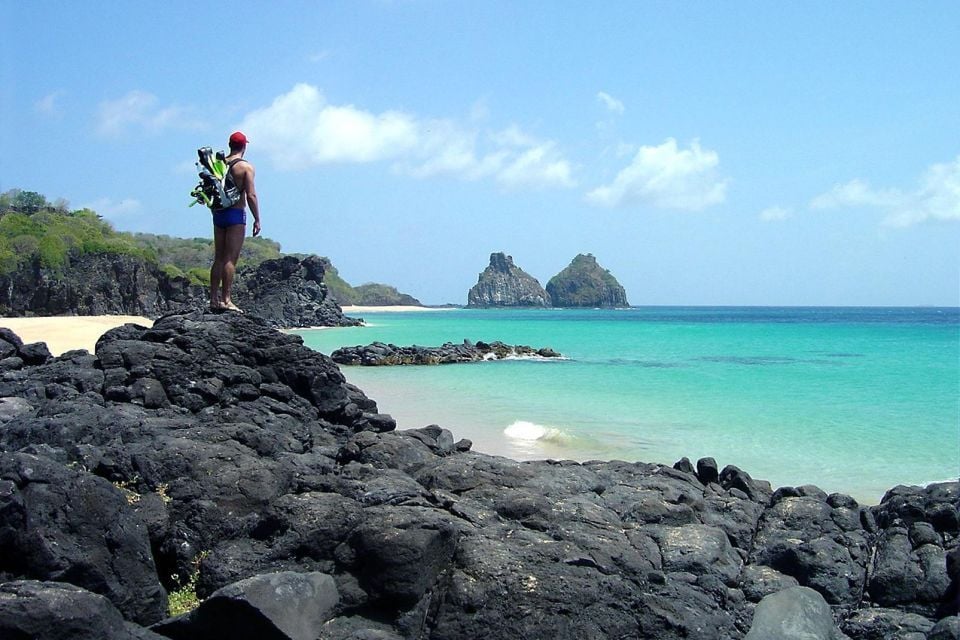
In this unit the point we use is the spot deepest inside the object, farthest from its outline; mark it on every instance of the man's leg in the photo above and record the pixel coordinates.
(233, 243)
(216, 269)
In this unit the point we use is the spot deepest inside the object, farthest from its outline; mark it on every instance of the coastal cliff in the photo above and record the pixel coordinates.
(287, 292)
(504, 284)
(584, 283)
(214, 453)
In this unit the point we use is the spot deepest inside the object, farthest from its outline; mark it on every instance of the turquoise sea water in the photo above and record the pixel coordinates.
(855, 400)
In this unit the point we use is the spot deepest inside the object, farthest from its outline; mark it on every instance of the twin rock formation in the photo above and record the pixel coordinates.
(584, 283)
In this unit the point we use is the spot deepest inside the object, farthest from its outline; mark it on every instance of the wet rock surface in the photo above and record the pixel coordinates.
(214, 443)
(379, 354)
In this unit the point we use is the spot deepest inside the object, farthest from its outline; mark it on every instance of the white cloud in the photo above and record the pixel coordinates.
(115, 210)
(540, 166)
(48, 104)
(856, 193)
(937, 197)
(140, 110)
(301, 128)
(775, 214)
(666, 177)
(611, 103)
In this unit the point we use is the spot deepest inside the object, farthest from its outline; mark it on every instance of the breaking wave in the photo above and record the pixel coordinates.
(529, 432)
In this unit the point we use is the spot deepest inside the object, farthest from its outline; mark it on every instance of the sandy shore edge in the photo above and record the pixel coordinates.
(358, 309)
(65, 333)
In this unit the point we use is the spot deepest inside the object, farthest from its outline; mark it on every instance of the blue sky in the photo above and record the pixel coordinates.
(759, 153)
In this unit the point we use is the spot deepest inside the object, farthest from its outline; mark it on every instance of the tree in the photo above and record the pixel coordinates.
(29, 202)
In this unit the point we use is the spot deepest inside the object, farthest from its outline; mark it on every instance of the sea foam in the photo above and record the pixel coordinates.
(530, 432)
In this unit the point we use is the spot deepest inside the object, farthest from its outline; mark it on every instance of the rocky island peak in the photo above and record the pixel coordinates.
(504, 284)
(584, 283)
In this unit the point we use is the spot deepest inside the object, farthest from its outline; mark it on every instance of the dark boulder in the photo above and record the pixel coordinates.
(884, 624)
(59, 611)
(796, 613)
(290, 292)
(821, 546)
(708, 471)
(276, 606)
(397, 554)
(64, 525)
(946, 629)
(758, 581)
(907, 575)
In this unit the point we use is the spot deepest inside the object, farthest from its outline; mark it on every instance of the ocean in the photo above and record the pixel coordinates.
(853, 400)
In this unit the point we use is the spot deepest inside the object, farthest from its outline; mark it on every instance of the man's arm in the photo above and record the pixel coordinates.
(252, 201)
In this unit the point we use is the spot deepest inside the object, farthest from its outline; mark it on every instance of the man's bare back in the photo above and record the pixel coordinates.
(243, 175)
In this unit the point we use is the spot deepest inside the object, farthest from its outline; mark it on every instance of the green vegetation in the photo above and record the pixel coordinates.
(190, 257)
(342, 292)
(31, 228)
(184, 599)
(35, 229)
(380, 294)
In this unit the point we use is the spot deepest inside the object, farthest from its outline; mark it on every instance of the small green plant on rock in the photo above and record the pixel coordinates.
(162, 491)
(184, 600)
(125, 486)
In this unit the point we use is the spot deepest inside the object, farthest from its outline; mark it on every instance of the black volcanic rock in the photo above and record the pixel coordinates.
(584, 283)
(96, 284)
(380, 354)
(215, 442)
(63, 525)
(287, 292)
(60, 611)
(503, 284)
(279, 606)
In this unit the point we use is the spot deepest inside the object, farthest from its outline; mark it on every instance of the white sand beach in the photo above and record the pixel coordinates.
(64, 333)
(357, 309)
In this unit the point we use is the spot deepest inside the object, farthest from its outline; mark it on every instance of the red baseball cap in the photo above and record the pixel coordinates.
(237, 138)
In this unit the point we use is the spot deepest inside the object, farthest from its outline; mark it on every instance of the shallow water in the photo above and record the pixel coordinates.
(853, 400)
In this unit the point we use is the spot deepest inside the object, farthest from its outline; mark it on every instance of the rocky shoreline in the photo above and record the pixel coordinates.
(379, 354)
(215, 451)
(287, 292)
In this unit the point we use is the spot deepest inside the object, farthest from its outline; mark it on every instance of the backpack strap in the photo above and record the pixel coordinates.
(228, 178)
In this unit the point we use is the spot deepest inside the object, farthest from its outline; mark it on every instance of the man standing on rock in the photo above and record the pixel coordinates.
(230, 225)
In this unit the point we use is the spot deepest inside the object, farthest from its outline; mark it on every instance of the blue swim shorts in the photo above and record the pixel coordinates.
(224, 218)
